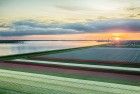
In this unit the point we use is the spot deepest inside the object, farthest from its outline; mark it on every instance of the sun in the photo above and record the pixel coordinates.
(117, 36)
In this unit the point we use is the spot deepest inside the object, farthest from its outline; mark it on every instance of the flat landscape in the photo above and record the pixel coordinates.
(69, 46)
(100, 69)
(129, 55)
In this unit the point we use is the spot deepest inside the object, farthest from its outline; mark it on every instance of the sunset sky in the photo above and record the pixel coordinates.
(70, 19)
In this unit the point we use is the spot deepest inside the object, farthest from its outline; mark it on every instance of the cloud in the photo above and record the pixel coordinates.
(30, 27)
(103, 26)
(69, 8)
(133, 12)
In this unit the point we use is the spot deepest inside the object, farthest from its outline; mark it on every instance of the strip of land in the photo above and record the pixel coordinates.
(120, 77)
(81, 65)
(42, 84)
(104, 54)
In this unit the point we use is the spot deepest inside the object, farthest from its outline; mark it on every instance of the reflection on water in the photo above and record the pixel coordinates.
(35, 46)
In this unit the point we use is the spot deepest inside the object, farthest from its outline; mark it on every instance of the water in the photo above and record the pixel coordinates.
(35, 46)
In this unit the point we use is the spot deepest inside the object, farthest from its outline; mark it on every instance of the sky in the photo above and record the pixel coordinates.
(75, 19)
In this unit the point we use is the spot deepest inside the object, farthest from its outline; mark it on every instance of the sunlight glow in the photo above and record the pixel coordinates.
(117, 38)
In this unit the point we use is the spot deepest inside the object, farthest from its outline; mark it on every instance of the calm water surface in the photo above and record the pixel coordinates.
(35, 46)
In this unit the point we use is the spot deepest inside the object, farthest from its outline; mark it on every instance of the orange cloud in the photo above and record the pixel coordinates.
(86, 36)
